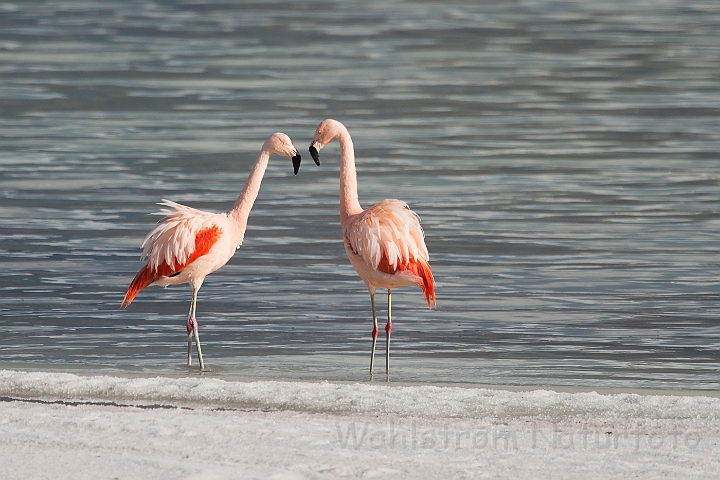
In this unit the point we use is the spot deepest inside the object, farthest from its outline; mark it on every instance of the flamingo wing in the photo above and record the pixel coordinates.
(185, 235)
(389, 238)
(175, 240)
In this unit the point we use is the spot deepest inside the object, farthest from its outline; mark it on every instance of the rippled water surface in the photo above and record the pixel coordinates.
(563, 156)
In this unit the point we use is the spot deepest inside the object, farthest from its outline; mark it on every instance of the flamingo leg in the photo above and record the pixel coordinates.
(374, 334)
(200, 357)
(388, 330)
(190, 339)
(192, 329)
(191, 322)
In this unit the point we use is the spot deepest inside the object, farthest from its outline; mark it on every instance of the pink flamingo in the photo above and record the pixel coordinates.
(384, 243)
(191, 244)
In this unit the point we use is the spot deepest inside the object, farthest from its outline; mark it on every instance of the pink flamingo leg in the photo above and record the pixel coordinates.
(388, 329)
(191, 325)
(192, 329)
(374, 334)
(200, 357)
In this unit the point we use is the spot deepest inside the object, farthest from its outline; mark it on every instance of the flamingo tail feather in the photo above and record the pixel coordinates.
(143, 278)
(427, 283)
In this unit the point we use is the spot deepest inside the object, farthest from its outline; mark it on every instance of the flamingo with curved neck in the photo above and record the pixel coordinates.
(385, 243)
(191, 244)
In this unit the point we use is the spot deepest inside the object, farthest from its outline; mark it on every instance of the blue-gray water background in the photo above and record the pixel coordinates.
(563, 157)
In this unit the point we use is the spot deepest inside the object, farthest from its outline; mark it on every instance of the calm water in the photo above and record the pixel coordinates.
(564, 158)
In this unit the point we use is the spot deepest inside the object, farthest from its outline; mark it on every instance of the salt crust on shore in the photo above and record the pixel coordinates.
(58, 425)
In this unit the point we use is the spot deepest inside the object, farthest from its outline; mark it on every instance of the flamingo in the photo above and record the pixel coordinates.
(385, 243)
(191, 244)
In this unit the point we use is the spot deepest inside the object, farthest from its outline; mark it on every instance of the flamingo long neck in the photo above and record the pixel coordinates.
(349, 204)
(241, 210)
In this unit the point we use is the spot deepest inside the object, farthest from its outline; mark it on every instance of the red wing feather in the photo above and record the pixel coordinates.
(204, 240)
(420, 269)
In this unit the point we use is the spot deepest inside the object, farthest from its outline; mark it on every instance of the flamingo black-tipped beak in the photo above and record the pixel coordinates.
(296, 163)
(314, 153)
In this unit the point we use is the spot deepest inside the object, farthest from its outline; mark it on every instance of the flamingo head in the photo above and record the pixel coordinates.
(280, 144)
(326, 132)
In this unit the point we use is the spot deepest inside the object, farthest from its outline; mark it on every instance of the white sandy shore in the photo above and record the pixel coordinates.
(67, 426)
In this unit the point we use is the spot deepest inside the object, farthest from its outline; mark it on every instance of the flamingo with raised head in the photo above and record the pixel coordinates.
(191, 244)
(385, 243)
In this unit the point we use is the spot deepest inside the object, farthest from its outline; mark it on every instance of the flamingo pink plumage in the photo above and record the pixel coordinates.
(191, 244)
(385, 243)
